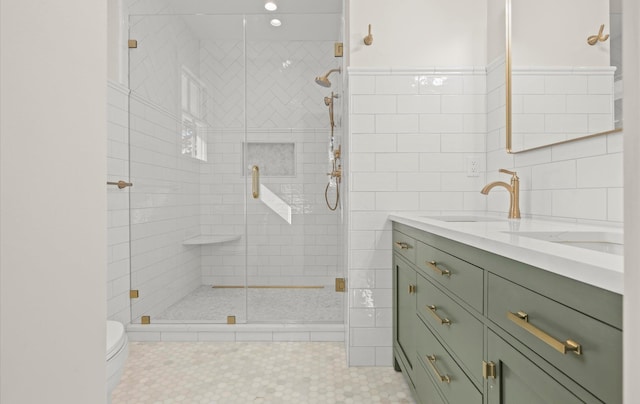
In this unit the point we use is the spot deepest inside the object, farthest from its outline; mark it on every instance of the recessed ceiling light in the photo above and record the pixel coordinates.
(276, 22)
(270, 5)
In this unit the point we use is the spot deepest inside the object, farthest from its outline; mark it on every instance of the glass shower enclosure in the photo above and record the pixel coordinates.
(229, 154)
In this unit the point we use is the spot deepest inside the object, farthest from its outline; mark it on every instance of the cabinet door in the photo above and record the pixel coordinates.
(405, 310)
(520, 381)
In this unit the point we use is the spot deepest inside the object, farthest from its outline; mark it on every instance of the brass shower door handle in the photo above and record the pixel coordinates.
(120, 184)
(255, 182)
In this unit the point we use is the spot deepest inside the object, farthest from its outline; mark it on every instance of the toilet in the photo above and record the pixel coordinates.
(117, 352)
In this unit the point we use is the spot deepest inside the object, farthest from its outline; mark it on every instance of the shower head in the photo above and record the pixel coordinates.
(324, 80)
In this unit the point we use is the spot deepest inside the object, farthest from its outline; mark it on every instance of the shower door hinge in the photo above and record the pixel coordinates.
(338, 49)
(341, 285)
(145, 320)
(133, 43)
(134, 294)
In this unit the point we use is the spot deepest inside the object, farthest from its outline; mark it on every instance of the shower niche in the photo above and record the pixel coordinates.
(212, 97)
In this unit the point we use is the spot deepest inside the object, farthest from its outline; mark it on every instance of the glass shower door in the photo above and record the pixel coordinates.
(186, 137)
(293, 255)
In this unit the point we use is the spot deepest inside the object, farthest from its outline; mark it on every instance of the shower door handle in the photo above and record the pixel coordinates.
(120, 184)
(255, 182)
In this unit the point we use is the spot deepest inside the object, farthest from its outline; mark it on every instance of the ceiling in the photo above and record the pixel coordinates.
(306, 20)
(236, 7)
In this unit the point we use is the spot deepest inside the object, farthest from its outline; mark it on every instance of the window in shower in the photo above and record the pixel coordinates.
(194, 107)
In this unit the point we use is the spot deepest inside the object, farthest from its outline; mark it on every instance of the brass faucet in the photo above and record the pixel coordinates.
(514, 192)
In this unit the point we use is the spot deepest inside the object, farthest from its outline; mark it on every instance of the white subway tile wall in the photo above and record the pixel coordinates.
(556, 104)
(410, 134)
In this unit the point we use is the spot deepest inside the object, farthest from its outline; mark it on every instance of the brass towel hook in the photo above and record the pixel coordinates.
(368, 40)
(594, 39)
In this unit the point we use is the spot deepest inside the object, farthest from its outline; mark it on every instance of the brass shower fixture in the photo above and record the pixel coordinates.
(328, 101)
(324, 80)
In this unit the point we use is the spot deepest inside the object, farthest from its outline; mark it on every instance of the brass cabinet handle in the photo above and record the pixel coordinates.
(434, 266)
(120, 184)
(443, 321)
(412, 289)
(403, 246)
(255, 181)
(432, 363)
(522, 320)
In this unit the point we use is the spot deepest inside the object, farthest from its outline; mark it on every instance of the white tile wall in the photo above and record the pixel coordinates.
(410, 134)
(577, 181)
(555, 104)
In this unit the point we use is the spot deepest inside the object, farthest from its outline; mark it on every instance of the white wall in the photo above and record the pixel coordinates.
(53, 201)
(417, 33)
(496, 33)
(632, 201)
(118, 231)
(559, 38)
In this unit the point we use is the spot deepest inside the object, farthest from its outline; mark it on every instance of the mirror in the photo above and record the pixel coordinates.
(564, 71)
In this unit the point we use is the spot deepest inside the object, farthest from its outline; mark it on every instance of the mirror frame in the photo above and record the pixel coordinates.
(508, 66)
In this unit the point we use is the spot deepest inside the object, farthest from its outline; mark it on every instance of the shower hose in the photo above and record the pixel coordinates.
(326, 190)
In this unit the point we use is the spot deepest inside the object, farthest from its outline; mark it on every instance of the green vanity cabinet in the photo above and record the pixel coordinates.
(404, 324)
(519, 380)
(471, 326)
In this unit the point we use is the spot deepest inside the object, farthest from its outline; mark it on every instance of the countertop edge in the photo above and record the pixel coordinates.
(605, 271)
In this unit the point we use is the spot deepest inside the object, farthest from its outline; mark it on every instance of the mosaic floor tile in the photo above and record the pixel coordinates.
(271, 305)
(239, 373)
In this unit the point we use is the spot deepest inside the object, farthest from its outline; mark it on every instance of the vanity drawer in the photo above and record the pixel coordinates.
(426, 390)
(551, 327)
(461, 278)
(455, 326)
(405, 246)
(443, 370)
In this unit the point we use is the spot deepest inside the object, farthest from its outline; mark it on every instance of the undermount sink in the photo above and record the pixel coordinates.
(463, 218)
(607, 242)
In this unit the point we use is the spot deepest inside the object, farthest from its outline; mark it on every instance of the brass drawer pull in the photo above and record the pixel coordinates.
(402, 246)
(443, 321)
(412, 289)
(432, 363)
(434, 266)
(522, 319)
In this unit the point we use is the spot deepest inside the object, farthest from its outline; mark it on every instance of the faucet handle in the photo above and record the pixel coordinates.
(513, 173)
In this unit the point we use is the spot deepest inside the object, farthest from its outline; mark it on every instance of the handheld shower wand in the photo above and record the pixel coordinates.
(328, 101)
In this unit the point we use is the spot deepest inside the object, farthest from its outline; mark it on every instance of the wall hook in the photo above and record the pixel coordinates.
(368, 40)
(594, 39)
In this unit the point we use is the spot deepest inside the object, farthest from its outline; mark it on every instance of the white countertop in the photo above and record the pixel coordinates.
(604, 270)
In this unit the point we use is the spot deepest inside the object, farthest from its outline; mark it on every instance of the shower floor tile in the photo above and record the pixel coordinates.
(239, 373)
(209, 304)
